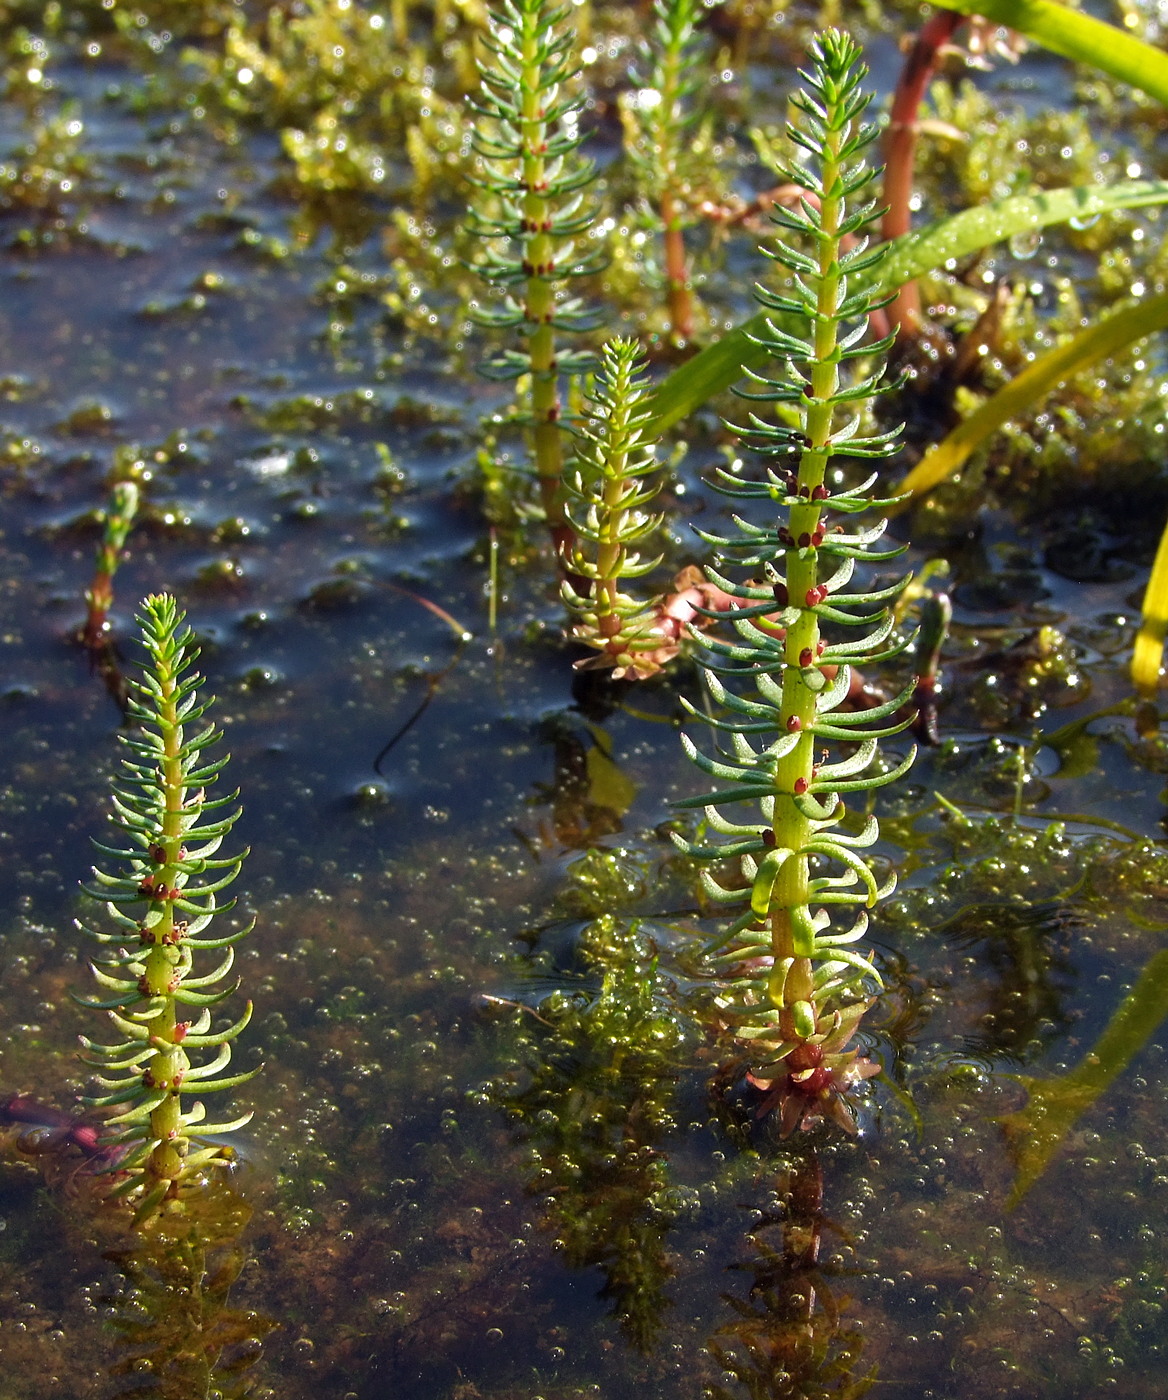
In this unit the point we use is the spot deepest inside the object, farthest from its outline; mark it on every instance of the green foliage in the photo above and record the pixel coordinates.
(665, 113)
(661, 118)
(794, 987)
(160, 889)
(1080, 37)
(595, 1099)
(1054, 1105)
(346, 86)
(607, 490)
(532, 211)
(1123, 328)
(717, 366)
(99, 597)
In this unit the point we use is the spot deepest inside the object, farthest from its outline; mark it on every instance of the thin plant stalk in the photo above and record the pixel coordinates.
(900, 151)
(99, 596)
(531, 209)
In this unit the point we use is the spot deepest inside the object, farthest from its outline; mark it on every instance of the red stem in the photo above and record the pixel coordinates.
(676, 272)
(900, 151)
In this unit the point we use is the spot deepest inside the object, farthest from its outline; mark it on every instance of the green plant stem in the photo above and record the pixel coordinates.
(716, 367)
(791, 827)
(539, 264)
(170, 1062)
(99, 597)
(607, 487)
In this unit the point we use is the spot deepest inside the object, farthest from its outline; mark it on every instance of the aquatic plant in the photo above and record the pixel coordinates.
(789, 1336)
(663, 116)
(161, 893)
(1081, 37)
(791, 985)
(99, 596)
(599, 1068)
(900, 148)
(606, 491)
(172, 1316)
(531, 209)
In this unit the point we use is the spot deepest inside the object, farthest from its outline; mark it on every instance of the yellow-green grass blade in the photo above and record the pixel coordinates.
(1036, 1132)
(1114, 333)
(1078, 36)
(1149, 653)
(716, 367)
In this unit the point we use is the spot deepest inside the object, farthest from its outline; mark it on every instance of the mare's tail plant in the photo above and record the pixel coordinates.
(795, 986)
(160, 889)
(607, 490)
(119, 515)
(663, 115)
(532, 209)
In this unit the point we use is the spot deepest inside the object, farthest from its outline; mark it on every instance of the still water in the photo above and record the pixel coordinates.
(486, 1160)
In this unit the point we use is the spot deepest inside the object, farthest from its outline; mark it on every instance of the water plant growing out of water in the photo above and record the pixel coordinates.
(99, 596)
(160, 890)
(794, 986)
(663, 116)
(607, 490)
(532, 209)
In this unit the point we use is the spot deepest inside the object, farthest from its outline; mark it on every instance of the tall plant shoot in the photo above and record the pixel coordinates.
(795, 985)
(531, 209)
(160, 889)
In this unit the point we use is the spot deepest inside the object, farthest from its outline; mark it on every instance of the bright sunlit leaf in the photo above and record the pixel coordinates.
(719, 365)
(1078, 36)
(1114, 333)
(1148, 656)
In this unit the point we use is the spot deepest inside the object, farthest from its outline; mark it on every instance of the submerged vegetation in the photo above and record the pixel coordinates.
(246, 303)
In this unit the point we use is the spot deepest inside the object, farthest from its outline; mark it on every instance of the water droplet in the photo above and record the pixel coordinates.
(1089, 221)
(1025, 243)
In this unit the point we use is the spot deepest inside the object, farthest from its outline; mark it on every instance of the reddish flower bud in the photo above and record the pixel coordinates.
(817, 536)
(794, 724)
(804, 540)
(806, 657)
(812, 597)
(820, 648)
(781, 596)
(812, 1082)
(180, 1031)
(805, 1056)
(800, 786)
(820, 493)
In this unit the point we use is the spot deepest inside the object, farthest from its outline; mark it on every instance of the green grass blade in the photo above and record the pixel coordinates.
(1078, 36)
(1149, 653)
(971, 230)
(1036, 1132)
(720, 364)
(1114, 333)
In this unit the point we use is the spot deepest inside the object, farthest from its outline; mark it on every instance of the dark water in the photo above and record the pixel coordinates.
(485, 1159)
